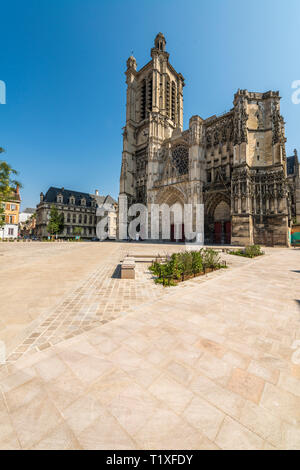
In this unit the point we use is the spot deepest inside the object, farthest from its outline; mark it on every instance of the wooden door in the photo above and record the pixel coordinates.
(227, 233)
(218, 232)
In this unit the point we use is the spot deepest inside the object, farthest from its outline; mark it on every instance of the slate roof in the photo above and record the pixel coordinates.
(104, 199)
(28, 210)
(52, 193)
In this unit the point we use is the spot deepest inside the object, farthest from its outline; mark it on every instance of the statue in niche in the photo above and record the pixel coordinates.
(260, 117)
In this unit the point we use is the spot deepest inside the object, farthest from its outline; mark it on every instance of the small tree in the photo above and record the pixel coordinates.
(7, 186)
(2, 215)
(77, 231)
(56, 222)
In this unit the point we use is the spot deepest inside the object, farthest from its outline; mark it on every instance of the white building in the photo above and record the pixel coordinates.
(9, 231)
(25, 215)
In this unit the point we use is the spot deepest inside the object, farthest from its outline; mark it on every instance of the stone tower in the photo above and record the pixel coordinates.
(154, 109)
(233, 165)
(259, 203)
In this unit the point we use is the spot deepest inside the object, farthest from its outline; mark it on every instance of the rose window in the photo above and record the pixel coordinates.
(180, 157)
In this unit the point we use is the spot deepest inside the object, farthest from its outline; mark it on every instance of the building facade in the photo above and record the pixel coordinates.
(81, 211)
(293, 176)
(11, 215)
(27, 223)
(235, 164)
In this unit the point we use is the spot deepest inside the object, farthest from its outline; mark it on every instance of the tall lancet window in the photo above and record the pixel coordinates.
(167, 97)
(150, 91)
(173, 101)
(143, 99)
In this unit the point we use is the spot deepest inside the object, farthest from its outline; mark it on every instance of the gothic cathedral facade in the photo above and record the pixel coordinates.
(234, 164)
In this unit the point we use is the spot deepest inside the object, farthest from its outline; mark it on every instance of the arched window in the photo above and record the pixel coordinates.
(60, 198)
(80, 219)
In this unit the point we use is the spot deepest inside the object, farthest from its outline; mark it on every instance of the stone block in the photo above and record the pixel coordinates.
(128, 269)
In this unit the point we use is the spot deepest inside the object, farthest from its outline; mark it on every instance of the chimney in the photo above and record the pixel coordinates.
(96, 192)
(17, 189)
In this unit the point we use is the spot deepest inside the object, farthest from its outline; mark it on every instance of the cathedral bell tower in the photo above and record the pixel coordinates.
(154, 109)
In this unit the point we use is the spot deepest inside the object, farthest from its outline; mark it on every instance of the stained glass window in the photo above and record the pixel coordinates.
(180, 157)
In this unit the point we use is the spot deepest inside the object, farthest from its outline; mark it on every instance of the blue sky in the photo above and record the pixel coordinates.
(63, 63)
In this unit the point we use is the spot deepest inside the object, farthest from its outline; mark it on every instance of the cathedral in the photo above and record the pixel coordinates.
(235, 164)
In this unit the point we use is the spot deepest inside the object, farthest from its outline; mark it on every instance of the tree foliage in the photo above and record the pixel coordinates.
(56, 222)
(78, 230)
(8, 185)
(2, 215)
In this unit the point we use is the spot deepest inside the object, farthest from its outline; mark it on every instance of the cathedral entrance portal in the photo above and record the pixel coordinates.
(174, 236)
(174, 199)
(222, 224)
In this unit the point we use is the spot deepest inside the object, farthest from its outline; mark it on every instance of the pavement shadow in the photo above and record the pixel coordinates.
(117, 272)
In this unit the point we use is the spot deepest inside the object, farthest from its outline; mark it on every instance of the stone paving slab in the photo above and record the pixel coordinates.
(55, 283)
(97, 299)
(210, 365)
(35, 277)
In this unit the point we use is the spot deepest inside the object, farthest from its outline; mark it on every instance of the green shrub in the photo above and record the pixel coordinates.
(211, 258)
(183, 265)
(253, 250)
(250, 251)
(197, 262)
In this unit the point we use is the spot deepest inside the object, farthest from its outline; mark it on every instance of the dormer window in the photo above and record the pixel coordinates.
(60, 198)
(83, 201)
(72, 200)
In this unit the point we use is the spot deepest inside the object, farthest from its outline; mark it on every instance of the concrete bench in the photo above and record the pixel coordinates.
(128, 268)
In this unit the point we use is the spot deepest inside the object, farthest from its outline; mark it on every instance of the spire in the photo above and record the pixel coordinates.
(160, 42)
(131, 63)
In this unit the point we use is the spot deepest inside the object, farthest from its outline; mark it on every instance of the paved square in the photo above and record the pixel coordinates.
(124, 364)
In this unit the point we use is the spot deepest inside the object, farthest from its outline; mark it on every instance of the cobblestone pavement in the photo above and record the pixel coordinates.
(99, 298)
(36, 276)
(212, 364)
